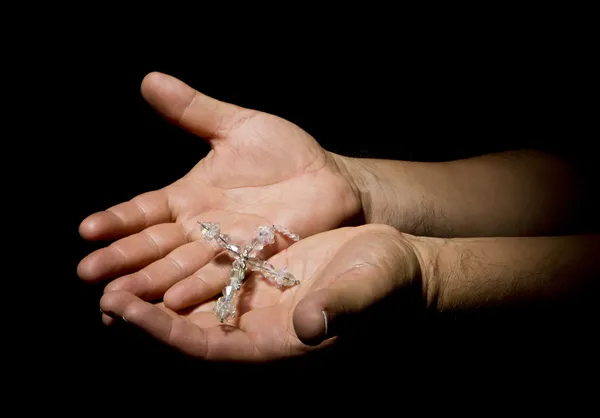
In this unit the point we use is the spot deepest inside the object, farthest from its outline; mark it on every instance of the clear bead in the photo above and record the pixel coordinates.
(236, 278)
(237, 265)
(251, 249)
(265, 235)
(286, 232)
(224, 308)
(210, 230)
(235, 283)
(283, 278)
(228, 291)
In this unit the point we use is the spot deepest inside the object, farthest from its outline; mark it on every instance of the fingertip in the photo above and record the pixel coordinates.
(89, 228)
(174, 298)
(122, 283)
(108, 302)
(168, 95)
(113, 304)
(151, 81)
(107, 320)
(97, 266)
(310, 319)
(86, 269)
(99, 226)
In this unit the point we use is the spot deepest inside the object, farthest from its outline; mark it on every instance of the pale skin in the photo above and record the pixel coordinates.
(264, 170)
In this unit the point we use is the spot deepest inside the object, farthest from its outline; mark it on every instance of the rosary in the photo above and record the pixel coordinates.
(244, 259)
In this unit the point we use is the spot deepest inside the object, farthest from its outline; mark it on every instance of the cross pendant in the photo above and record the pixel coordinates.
(245, 259)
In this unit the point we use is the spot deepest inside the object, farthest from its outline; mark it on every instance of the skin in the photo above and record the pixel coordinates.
(274, 323)
(345, 271)
(261, 170)
(264, 170)
(516, 193)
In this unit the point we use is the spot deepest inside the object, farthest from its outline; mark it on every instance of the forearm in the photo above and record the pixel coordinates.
(506, 194)
(468, 273)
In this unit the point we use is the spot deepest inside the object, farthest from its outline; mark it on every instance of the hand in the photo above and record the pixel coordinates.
(261, 170)
(341, 273)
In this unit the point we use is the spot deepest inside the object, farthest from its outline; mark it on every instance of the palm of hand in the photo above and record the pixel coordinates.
(267, 317)
(269, 169)
(261, 170)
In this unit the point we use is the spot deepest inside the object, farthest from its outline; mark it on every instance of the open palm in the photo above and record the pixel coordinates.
(261, 170)
(340, 272)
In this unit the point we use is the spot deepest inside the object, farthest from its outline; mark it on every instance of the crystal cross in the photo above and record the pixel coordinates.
(245, 258)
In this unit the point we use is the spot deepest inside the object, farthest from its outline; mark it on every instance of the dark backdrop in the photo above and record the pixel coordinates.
(441, 98)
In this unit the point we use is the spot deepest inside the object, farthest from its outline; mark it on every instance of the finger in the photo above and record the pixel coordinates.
(127, 218)
(203, 316)
(151, 282)
(210, 280)
(201, 286)
(216, 343)
(132, 253)
(108, 320)
(316, 317)
(155, 321)
(369, 268)
(180, 104)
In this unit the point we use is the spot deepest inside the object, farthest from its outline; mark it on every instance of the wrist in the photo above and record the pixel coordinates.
(350, 171)
(429, 252)
(363, 181)
(390, 193)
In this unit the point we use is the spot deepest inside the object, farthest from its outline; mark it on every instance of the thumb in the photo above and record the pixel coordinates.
(184, 106)
(321, 314)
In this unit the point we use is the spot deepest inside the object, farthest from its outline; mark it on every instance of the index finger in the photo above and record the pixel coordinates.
(221, 342)
(127, 218)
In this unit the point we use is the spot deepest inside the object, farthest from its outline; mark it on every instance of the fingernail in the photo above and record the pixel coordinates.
(326, 323)
(125, 319)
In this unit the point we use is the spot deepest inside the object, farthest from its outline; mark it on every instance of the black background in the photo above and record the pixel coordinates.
(422, 95)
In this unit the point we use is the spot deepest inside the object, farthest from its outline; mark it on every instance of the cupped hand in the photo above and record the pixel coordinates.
(261, 170)
(341, 273)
